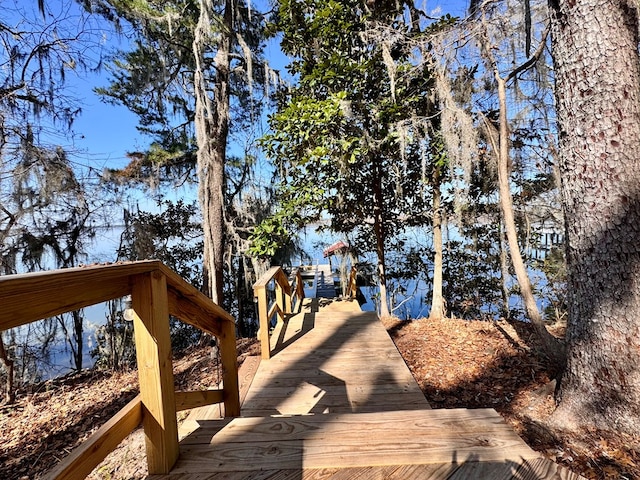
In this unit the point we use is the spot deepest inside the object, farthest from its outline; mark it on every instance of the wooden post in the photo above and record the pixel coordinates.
(287, 301)
(229, 357)
(263, 313)
(153, 351)
(280, 301)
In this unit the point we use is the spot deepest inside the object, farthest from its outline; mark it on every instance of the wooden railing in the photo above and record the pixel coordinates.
(156, 292)
(287, 299)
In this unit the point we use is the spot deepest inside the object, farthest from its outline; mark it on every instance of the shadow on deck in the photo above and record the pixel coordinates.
(337, 401)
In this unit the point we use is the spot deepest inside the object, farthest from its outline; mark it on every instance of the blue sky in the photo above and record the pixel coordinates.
(104, 133)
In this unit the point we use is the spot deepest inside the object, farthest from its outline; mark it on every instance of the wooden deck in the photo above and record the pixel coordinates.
(337, 402)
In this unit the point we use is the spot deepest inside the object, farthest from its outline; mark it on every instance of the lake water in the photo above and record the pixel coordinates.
(408, 300)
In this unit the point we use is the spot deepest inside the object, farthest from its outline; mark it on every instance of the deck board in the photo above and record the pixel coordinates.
(337, 402)
(346, 362)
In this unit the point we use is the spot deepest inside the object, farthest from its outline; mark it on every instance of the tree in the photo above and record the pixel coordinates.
(43, 203)
(346, 138)
(500, 139)
(203, 56)
(173, 236)
(502, 76)
(597, 69)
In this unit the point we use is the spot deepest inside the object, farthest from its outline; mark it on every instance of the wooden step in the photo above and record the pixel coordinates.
(351, 440)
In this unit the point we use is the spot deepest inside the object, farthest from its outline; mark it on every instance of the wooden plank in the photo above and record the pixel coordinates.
(357, 440)
(35, 299)
(276, 376)
(274, 273)
(189, 293)
(353, 390)
(68, 289)
(82, 460)
(315, 400)
(299, 455)
(353, 426)
(64, 290)
(229, 358)
(393, 472)
(263, 317)
(470, 468)
(348, 359)
(193, 314)
(372, 451)
(331, 426)
(153, 351)
(246, 372)
(197, 398)
(275, 309)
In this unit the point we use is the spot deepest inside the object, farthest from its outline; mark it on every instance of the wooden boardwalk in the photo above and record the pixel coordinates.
(337, 402)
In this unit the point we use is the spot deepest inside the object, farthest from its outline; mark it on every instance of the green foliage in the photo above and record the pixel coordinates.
(472, 276)
(268, 237)
(345, 131)
(174, 237)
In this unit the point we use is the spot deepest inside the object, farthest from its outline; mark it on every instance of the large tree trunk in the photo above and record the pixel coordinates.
(212, 128)
(438, 309)
(595, 50)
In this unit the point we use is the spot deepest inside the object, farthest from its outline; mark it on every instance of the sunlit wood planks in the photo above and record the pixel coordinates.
(337, 402)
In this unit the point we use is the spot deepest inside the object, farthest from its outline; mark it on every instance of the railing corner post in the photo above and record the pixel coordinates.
(153, 351)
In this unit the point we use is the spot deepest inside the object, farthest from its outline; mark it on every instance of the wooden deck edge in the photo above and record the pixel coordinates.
(540, 469)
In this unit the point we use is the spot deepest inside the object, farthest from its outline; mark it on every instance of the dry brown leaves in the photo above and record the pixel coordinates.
(53, 417)
(477, 364)
(457, 363)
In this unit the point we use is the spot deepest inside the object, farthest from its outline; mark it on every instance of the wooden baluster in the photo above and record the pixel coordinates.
(153, 351)
(229, 357)
(263, 311)
(280, 300)
(287, 296)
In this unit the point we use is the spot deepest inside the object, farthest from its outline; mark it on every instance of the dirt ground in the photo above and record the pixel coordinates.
(457, 363)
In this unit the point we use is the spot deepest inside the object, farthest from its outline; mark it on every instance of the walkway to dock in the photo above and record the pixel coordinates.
(336, 401)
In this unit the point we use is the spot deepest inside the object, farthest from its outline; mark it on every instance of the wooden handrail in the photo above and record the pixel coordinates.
(156, 292)
(287, 299)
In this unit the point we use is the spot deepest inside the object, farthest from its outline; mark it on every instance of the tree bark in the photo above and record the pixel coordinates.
(553, 347)
(380, 234)
(438, 310)
(597, 70)
(9, 392)
(504, 273)
(212, 129)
